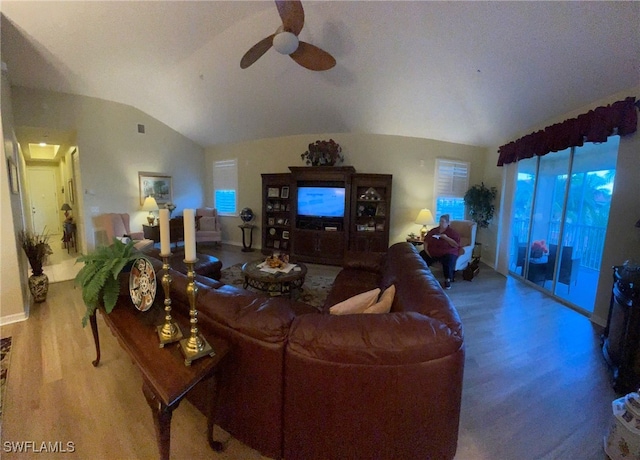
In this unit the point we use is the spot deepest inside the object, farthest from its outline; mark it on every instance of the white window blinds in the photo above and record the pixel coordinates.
(225, 186)
(451, 183)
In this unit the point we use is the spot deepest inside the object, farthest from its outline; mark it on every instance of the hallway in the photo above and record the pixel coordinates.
(61, 265)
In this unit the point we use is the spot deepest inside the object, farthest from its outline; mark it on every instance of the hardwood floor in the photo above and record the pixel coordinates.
(535, 384)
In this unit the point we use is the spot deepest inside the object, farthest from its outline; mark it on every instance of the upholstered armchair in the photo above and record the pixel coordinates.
(109, 226)
(208, 228)
(467, 231)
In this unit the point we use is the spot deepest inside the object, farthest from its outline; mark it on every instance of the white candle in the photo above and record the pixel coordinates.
(189, 234)
(165, 235)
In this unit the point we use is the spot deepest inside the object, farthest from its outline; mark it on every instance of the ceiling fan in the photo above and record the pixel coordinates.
(285, 41)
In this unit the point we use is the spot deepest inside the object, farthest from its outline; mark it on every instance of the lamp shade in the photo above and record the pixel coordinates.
(425, 217)
(65, 207)
(150, 204)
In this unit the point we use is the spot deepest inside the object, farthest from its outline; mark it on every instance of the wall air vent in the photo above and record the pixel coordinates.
(141, 129)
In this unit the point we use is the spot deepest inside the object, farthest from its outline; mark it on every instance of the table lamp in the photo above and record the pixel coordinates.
(66, 208)
(150, 205)
(424, 218)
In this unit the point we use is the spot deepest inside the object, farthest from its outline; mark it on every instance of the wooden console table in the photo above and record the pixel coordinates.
(166, 380)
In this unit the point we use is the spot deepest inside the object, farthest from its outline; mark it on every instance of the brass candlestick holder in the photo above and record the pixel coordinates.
(195, 346)
(169, 332)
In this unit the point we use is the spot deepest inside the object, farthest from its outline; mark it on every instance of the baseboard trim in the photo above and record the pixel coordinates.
(598, 320)
(15, 318)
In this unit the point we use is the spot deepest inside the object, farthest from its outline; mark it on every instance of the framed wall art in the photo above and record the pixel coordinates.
(157, 185)
(273, 192)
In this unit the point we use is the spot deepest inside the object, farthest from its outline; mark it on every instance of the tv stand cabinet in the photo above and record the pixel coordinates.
(319, 239)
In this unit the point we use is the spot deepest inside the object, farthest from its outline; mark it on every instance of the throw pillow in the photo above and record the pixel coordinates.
(356, 304)
(384, 304)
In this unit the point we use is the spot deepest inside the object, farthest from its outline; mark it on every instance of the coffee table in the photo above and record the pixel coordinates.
(274, 283)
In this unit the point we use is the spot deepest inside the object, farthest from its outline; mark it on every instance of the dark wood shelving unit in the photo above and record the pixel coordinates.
(371, 202)
(318, 239)
(277, 222)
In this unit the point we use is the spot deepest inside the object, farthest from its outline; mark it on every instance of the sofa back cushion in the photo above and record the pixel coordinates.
(417, 290)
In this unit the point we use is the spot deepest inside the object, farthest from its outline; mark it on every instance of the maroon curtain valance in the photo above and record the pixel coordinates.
(594, 126)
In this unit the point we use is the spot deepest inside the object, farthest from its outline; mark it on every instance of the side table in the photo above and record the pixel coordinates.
(151, 232)
(69, 236)
(166, 380)
(415, 241)
(244, 227)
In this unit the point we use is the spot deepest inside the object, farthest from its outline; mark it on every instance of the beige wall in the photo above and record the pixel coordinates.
(411, 161)
(112, 152)
(13, 263)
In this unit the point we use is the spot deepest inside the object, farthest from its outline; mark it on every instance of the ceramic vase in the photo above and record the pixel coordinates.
(39, 287)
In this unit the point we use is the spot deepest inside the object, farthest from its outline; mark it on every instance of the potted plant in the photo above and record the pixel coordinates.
(479, 201)
(323, 153)
(36, 247)
(99, 278)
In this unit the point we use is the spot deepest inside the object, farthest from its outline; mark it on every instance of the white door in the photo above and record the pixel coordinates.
(43, 195)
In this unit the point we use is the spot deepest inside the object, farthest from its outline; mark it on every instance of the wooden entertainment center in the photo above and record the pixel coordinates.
(316, 213)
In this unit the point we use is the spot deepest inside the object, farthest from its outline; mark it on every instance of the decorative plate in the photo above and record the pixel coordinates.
(142, 284)
(272, 231)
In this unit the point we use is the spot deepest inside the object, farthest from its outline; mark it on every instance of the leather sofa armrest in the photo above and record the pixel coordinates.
(369, 261)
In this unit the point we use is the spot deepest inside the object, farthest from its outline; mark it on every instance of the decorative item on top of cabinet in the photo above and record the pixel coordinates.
(371, 201)
(276, 212)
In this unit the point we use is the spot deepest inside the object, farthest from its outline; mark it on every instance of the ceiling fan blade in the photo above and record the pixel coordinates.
(292, 15)
(312, 57)
(256, 51)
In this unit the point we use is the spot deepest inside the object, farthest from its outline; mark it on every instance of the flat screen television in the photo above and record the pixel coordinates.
(321, 201)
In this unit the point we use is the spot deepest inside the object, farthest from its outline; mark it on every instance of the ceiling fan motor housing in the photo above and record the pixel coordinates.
(285, 42)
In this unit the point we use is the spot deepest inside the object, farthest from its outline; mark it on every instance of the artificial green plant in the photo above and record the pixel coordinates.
(99, 276)
(479, 201)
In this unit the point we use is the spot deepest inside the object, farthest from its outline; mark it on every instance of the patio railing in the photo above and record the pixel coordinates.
(587, 240)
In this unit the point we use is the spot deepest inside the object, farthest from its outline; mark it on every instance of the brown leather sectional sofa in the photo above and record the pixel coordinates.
(303, 384)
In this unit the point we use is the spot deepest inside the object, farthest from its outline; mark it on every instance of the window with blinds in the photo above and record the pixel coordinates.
(451, 183)
(225, 186)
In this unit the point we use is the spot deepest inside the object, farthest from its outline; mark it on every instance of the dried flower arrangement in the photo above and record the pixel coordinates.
(323, 153)
(36, 247)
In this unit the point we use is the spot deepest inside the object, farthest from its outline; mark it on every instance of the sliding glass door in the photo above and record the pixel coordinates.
(561, 215)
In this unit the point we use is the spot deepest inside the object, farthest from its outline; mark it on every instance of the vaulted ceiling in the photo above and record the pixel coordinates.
(476, 73)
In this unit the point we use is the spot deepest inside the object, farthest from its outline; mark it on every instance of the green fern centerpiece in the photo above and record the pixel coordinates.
(99, 276)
